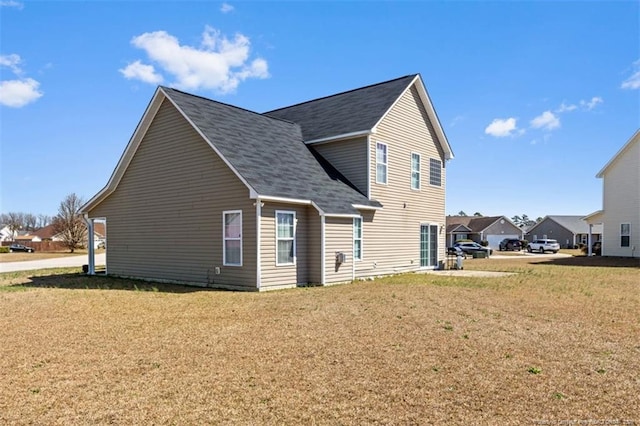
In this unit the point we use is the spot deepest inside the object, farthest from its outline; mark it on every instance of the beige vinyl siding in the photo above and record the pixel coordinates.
(391, 238)
(338, 238)
(284, 275)
(349, 157)
(165, 216)
(621, 200)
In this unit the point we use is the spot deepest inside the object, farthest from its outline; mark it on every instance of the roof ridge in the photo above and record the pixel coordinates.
(339, 93)
(227, 105)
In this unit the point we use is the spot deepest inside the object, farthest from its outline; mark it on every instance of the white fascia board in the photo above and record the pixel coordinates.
(127, 155)
(339, 137)
(281, 199)
(431, 112)
(634, 138)
(363, 207)
(592, 216)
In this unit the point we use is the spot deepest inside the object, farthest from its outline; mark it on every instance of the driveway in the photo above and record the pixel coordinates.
(59, 262)
(497, 255)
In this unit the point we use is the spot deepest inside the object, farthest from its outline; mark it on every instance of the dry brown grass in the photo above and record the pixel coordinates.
(554, 343)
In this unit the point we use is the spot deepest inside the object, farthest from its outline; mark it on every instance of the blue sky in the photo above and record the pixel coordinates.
(534, 97)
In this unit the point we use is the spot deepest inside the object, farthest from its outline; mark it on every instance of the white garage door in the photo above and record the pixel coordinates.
(494, 240)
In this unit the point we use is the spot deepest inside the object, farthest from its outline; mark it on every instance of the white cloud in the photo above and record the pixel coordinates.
(11, 3)
(219, 64)
(18, 93)
(589, 105)
(501, 127)
(12, 61)
(547, 120)
(226, 8)
(633, 82)
(139, 71)
(566, 108)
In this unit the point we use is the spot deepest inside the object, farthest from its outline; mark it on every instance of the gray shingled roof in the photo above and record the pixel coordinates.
(575, 224)
(269, 154)
(348, 112)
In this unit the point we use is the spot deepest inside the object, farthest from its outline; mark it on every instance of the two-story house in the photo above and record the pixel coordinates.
(343, 187)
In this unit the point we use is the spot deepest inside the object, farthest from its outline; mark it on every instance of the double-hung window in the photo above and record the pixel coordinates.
(435, 172)
(285, 238)
(415, 171)
(232, 236)
(357, 238)
(625, 234)
(381, 163)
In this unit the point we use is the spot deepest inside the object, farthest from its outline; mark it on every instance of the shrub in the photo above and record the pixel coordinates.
(484, 243)
(4, 249)
(524, 244)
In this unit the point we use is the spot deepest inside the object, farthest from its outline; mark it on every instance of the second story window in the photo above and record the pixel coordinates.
(381, 163)
(435, 172)
(415, 171)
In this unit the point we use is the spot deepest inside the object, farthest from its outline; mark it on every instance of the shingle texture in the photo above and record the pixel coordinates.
(269, 154)
(353, 111)
(575, 224)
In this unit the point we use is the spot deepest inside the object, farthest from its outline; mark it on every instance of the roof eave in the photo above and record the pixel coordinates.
(340, 137)
(632, 139)
(431, 112)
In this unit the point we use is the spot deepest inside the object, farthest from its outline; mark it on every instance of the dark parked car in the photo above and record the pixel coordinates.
(510, 244)
(472, 247)
(20, 247)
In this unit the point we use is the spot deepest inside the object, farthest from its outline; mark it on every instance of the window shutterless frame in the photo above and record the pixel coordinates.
(382, 163)
(232, 238)
(435, 172)
(357, 238)
(625, 234)
(415, 171)
(285, 237)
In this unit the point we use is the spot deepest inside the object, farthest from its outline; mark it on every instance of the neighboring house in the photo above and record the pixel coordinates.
(492, 229)
(48, 233)
(6, 234)
(569, 231)
(620, 214)
(339, 188)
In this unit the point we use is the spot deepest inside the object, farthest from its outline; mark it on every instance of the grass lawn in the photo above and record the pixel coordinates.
(557, 342)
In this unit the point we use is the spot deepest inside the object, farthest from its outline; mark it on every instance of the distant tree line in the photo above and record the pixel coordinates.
(67, 224)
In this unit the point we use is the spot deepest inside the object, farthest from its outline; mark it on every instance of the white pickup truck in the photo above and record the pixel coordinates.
(543, 245)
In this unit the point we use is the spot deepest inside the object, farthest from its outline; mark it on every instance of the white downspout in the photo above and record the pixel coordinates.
(589, 253)
(90, 244)
(322, 250)
(258, 245)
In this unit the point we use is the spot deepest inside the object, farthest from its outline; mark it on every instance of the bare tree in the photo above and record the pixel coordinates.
(30, 222)
(69, 224)
(43, 220)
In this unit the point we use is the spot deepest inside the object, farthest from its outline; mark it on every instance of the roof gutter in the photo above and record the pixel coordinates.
(340, 137)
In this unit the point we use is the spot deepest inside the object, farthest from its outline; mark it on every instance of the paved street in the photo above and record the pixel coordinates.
(60, 262)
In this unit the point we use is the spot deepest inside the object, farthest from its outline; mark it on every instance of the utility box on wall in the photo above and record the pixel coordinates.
(341, 257)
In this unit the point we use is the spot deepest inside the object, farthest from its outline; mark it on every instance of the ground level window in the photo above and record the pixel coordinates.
(285, 238)
(625, 234)
(357, 238)
(232, 236)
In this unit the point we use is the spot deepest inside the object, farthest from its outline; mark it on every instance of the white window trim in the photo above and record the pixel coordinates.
(295, 223)
(225, 238)
(386, 164)
(628, 234)
(431, 184)
(419, 171)
(361, 239)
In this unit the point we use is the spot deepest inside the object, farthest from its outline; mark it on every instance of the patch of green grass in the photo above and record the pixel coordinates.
(535, 370)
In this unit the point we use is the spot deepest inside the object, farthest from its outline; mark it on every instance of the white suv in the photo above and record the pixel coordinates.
(544, 245)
